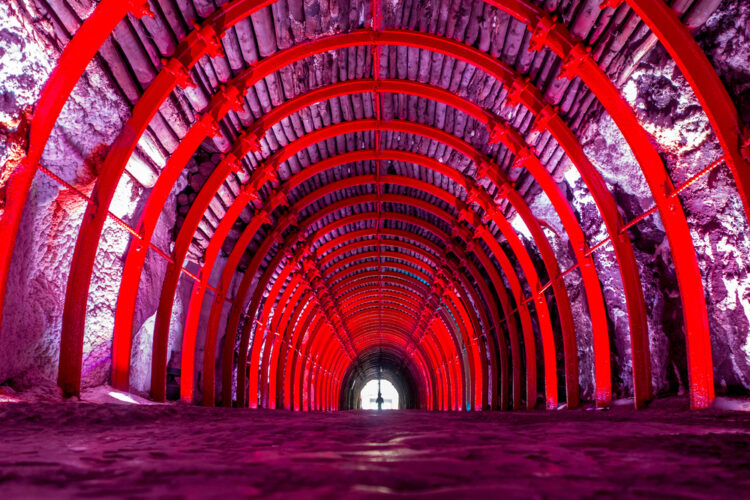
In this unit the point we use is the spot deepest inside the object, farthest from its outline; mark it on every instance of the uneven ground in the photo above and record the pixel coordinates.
(86, 450)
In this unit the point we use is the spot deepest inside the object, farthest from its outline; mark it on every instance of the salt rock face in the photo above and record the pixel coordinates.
(722, 234)
(543, 210)
(670, 112)
(28, 347)
(609, 152)
(142, 348)
(89, 122)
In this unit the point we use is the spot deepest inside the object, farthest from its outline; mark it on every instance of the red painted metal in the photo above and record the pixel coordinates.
(290, 401)
(578, 62)
(722, 114)
(259, 338)
(260, 331)
(163, 326)
(272, 338)
(286, 305)
(203, 40)
(437, 251)
(700, 366)
(222, 104)
(93, 221)
(434, 193)
(357, 82)
(282, 374)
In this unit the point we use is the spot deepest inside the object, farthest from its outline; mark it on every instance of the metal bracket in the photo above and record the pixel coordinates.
(610, 3)
(519, 161)
(497, 131)
(232, 95)
(516, 89)
(207, 34)
(483, 168)
(250, 141)
(572, 63)
(547, 113)
(251, 191)
(139, 8)
(235, 166)
(503, 192)
(472, 195)
(540, 35)
(180, 73)
(278, 198)
(268, 173)
(208, 124)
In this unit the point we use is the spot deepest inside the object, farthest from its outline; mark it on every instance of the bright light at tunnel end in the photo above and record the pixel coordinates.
(369, 395)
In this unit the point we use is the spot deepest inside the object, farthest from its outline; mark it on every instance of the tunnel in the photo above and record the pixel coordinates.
(222, 220)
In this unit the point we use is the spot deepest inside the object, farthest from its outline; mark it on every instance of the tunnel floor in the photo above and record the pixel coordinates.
(84, 450)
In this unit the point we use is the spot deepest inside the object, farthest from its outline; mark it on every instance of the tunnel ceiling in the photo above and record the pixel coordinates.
(382, 175)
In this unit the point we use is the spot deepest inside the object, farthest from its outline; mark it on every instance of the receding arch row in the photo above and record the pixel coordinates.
(347, 221)
(300, 400)
(269, 240)
(188, 350)
(484, 320)
(499, 288)
(119, 310)
(160, 351)
(445, 394)
(182, 244)
(635, 350)
(445, 272)
(600, 320)
(444, 137)
(368, 367)
(404, 277)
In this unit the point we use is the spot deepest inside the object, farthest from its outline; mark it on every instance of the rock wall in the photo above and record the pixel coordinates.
(721, 233)
(30, 44)
(670, 112)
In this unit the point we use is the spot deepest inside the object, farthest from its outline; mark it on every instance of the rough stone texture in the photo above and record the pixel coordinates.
(203, 328)
(669, 111)
(23, 52)
(672, 115)
(92, 117)
(86, 450)
(556, 235)
(721, 232)
(89, 121)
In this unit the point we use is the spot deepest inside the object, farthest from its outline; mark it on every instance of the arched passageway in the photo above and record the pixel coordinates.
(495, 205)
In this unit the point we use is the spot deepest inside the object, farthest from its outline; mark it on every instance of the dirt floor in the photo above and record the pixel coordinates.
(104, 450)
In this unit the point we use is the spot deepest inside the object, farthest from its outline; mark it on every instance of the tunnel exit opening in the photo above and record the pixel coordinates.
(369, 395)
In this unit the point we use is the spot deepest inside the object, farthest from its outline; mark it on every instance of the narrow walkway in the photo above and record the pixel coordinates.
(82, 450)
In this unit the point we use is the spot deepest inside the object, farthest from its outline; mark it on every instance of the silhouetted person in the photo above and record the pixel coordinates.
(379, 401)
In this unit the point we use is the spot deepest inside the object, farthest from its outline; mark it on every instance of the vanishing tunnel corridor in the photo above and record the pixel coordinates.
(515, 215)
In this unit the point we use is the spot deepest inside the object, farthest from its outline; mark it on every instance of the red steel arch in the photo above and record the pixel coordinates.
(205, 39)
